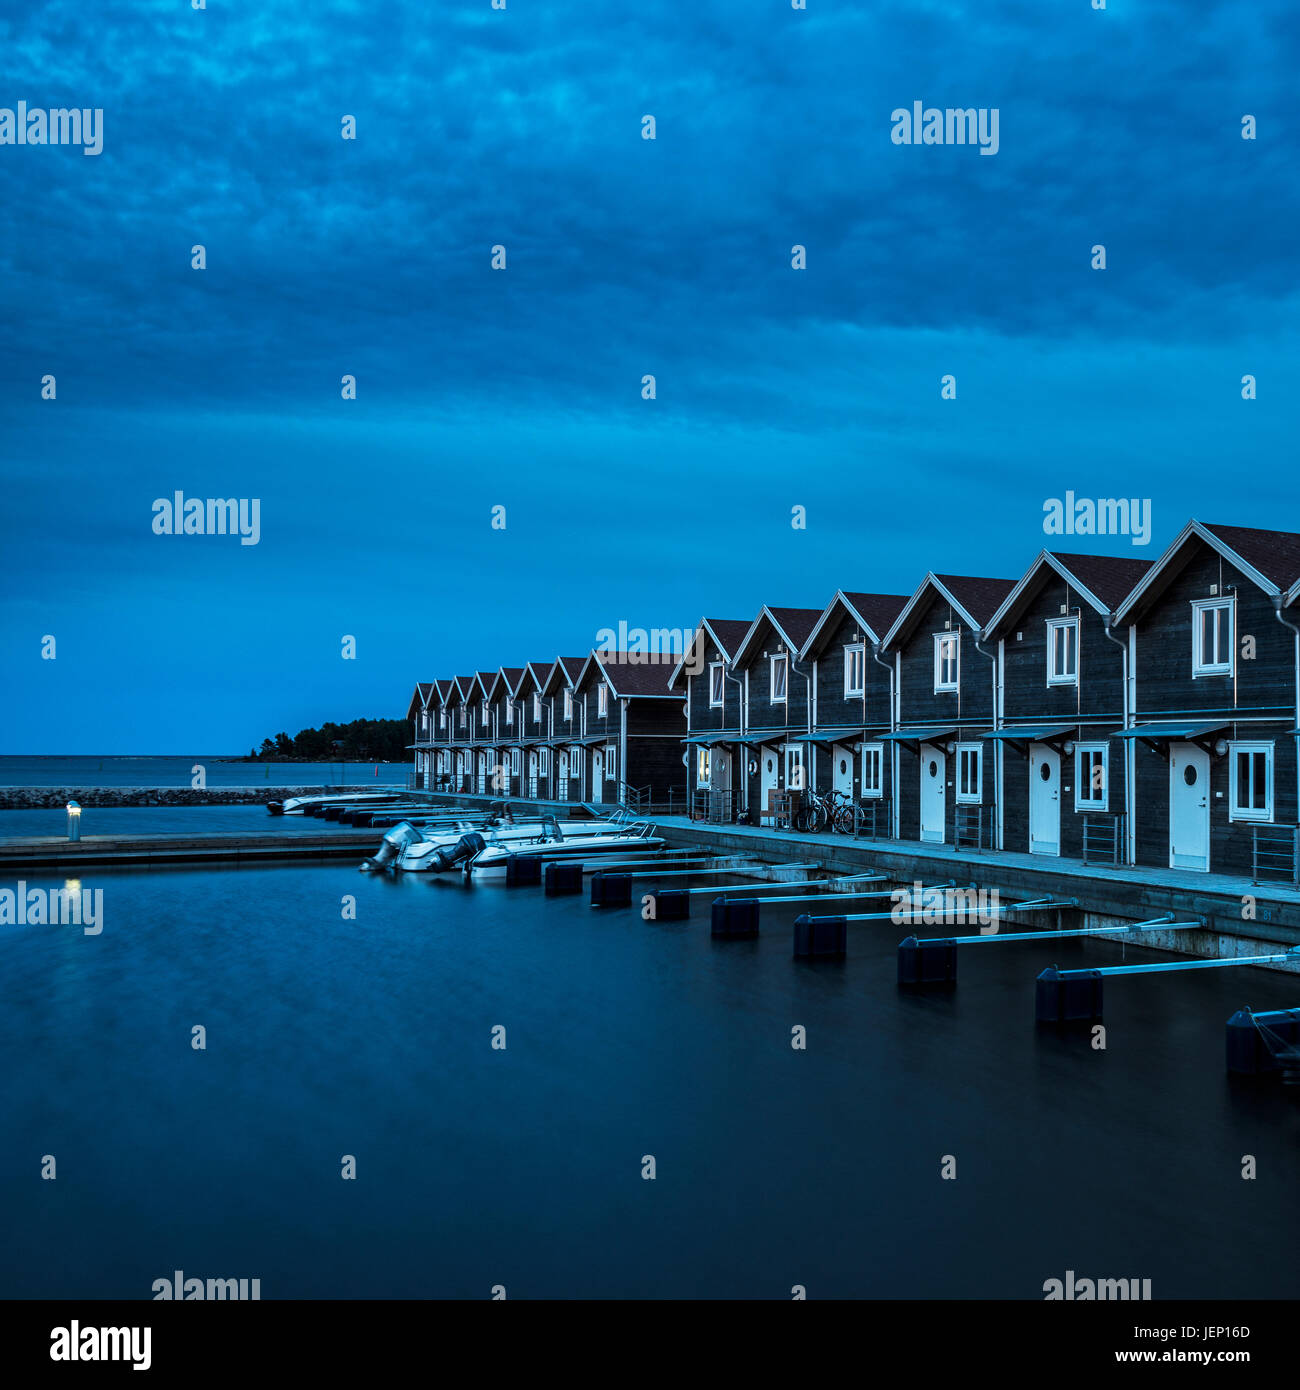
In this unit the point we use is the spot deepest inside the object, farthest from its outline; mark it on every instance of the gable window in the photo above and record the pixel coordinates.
(703, 767)
(537, 707)
(855, 670)
(442, 718)
(947, 660)
(464, 716)
(510, 713)
(872, 760)
(483, 716)
(602, 701)
(568, 704)
(715, 684)
(1063, 651)
(1251, 779)
(970, 757)
(777, 688)
(1091, 777)
(1212, 637)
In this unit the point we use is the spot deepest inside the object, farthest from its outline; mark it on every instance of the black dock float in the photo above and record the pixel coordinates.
(1072, 996)
(611, 890)
(1259, 1044)
(734, 919)
(820, 937)
(670, 904)
(563, 878)
(932, 962)
(523, 870)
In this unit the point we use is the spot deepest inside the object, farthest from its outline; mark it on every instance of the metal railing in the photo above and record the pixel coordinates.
(712, 804)
(1103, 838)
(871, 819)
(1275, 849)
(968, 826)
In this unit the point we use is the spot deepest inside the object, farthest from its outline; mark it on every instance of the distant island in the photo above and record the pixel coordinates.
(361, 741)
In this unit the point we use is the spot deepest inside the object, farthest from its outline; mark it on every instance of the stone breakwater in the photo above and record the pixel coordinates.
(47, 798)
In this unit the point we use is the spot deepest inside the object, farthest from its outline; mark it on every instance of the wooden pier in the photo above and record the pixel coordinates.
(56, 853)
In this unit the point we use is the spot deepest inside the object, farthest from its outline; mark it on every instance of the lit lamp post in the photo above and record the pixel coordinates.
(74, 821)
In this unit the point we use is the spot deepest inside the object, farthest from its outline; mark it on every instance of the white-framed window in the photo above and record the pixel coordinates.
(873, 770)
(794, 767)
(510, 713)
(514, 762)
(1212, 637)
(1250, 780)
(537, 707)
(442, 718)
(483, 716)
(703, 767)
(715, 684)
(855, 669)
(1091, 777)
(970, 766)
(568, 704)
(464, 716)
(947, 660)
(611, 761)
(777, 686)
(543, 761)
(602, 701)
(1063, 651)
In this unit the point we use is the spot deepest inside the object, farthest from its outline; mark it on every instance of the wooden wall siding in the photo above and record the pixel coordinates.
(1229, 841)
(763, 714)
(1026, 694)
(609, 724)
(920, 703)
(1015, 794)
(532, 728)
(1165, 684)
(833, 709)
(705, 718)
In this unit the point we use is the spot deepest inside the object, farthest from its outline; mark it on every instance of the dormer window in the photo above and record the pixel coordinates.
(1063, 651)
(715, 684)
(777, 687)
(1212, 637)
(947, 660)
(855, 670)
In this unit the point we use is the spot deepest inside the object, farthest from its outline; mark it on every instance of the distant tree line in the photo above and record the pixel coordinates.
(363, 740)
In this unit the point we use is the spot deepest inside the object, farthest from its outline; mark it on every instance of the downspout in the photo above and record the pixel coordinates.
(1130, 752)
(1277, 610)
(997, 762)
(876, 649)
(742, 723)
(807, 705)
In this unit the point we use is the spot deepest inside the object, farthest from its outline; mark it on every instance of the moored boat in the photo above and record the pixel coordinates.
(633, 837)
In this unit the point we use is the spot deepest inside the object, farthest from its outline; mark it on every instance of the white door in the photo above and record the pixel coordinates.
(482, 773)
(533, 789)
(719, 769)
(597, 774)
(1189, 807)
(934, 772)
(563, 788)
(842, 769)
(1044, 800)
(767, 783)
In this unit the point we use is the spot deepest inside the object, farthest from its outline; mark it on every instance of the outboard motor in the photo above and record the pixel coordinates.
(392, 845)
(460, 853)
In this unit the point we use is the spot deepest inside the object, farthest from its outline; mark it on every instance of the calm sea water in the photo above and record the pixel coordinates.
(169, 820)
(523, 1167)
(178, 772)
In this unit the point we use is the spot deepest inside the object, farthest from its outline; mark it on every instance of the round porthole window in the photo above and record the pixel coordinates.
(1045, 771)
(770, 764)
(934, 768)
(1189, 774)
(844, 766)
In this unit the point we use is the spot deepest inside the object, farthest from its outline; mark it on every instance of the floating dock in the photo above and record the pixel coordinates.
(56, 853)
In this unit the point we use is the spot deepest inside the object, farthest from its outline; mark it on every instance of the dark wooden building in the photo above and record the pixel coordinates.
(777, 705)
(943, 692)
(1049, 760)
(714, 703)
(1213, 667)
(564, 753)
(532, 717)
(422, 734)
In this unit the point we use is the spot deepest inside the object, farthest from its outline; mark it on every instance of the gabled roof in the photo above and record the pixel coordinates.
(873, 612)
(975, 598)
(464, 685)
(564, 670)
(792, 625)
(639, 675)
(484, 680)
(534, 673)
(1102, 581)
(419, 697)
(506, 678)
(444, 689)
(727, 635)
(1269, 559)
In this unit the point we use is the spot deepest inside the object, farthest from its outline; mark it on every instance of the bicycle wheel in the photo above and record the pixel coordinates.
(844, 820)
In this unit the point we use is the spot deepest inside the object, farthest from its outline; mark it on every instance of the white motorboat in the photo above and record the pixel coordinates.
(297, 805)
(432, 849)
(633, 837)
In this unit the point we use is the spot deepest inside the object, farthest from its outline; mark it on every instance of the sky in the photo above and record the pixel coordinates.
(522, 388)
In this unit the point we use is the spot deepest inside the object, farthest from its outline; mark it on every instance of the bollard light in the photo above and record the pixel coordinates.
(74, 821)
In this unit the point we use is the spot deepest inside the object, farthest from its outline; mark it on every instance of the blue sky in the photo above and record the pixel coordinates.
(522, 388)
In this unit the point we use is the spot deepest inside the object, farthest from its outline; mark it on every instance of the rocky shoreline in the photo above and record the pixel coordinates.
(49, 798)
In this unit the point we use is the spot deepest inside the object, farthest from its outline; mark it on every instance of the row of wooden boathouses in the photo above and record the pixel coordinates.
(1140, 712)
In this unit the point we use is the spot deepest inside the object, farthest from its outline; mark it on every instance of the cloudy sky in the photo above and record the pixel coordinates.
(521, 388)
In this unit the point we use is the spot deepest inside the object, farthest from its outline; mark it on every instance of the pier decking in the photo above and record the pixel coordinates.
(57, 852)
